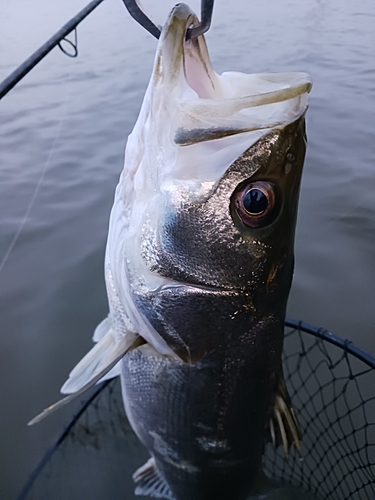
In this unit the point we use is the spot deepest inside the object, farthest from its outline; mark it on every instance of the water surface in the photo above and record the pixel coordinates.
(63, 133)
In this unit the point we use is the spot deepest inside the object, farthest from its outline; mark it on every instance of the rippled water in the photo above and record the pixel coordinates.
(63, 132)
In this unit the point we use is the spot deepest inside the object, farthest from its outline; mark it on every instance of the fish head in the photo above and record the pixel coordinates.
(240, 236)
(202, 229)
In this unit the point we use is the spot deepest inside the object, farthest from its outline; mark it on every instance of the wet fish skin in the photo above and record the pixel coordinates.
(203, 417)
(226, 277)
(196, 421)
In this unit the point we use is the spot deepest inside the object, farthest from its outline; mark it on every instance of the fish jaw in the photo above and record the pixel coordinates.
(203, 423)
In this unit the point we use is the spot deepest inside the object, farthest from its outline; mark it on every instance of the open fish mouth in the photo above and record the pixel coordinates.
(219, 106)
(194, 123)
(205, 119)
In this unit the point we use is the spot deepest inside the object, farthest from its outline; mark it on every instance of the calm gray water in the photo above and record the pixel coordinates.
(63, 132)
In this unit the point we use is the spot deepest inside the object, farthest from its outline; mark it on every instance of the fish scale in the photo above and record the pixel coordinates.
(205, 425)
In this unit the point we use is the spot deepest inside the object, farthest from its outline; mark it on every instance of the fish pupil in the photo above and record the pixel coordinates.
(255, 201)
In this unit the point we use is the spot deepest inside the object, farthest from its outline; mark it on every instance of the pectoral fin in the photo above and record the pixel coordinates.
(99, 361)
(96, 360)
(102, 329)
(284, 426)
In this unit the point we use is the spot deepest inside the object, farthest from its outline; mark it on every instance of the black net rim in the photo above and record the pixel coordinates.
(326, 335)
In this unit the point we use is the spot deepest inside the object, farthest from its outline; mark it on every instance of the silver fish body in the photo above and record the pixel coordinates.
(203, 423)
(203, 416)
(199, 264)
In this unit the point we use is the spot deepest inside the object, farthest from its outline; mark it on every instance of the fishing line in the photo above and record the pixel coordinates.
(37, 188)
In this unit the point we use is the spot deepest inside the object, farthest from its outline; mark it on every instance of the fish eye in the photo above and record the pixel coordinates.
(255, 203)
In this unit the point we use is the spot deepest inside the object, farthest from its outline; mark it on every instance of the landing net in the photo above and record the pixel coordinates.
(332, 386)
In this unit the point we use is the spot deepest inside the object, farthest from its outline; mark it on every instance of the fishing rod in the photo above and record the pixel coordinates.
(22, 70)
(134, 10)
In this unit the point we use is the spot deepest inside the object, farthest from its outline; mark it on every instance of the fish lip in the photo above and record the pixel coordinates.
(206, 288)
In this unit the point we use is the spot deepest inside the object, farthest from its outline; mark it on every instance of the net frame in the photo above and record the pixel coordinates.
(330, 383)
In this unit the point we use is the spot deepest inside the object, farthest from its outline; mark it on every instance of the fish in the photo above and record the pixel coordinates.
(198, 267)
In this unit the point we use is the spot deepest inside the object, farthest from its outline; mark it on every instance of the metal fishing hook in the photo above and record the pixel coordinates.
(206, 16)
(193, 32)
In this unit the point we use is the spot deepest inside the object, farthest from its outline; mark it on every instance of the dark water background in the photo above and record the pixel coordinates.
(62, 139)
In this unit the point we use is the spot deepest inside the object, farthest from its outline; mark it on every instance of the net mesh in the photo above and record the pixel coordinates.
(333, 394)
(332, 391)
